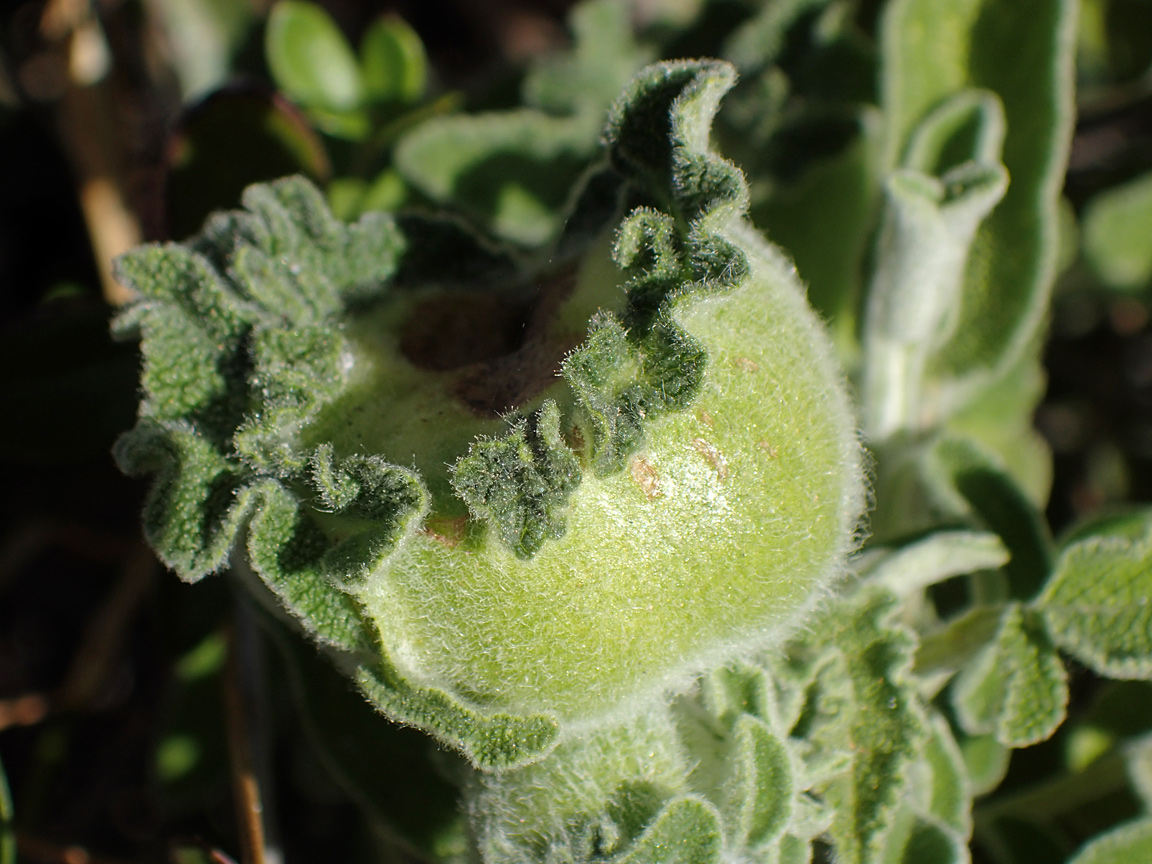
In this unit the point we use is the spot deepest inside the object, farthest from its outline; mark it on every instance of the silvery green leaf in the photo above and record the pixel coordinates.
(1007, 282)
(757, 797)
(880, 727)
(1126, 844)
(1016, 688)
(950, 646)
(1098, 604)
(917, 286)
(938, 557)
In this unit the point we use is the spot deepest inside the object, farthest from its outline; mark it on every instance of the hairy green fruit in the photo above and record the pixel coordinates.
(521, 497)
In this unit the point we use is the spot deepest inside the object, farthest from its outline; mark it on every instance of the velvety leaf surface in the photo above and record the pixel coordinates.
(1129, 843)
(1016, 688)
(1098, 604)
(1021, 52)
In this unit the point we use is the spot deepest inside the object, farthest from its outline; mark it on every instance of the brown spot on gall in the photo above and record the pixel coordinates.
(712, 456)
(447, 532)
(769, 448)
(705, 418)
(645, 477)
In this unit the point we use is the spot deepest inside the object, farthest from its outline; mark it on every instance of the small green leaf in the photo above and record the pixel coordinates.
(687, 831)
(1022, 52)
(986, 761)
(946, 649)
(917, 287)
(395, 68)
(1098, 604)
(938, 557)
(1016, 688)
(758, 794)
(1125, 844)
(950, 800)
(310, 59)
(1116, 226)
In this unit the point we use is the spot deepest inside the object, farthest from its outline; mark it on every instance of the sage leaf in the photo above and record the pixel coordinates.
(310, 59)
(1009, 275)
(687, 831)
(938, 557)
(1098, 604)
(881, 725)
(1016, 688)
(394, 67)
(1125, 844)
(759, 793)
(986, 761)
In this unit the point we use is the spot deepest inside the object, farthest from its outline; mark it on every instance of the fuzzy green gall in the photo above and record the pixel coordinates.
(518, 496)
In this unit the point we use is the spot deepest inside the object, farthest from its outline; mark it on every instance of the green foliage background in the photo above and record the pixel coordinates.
(965, 191)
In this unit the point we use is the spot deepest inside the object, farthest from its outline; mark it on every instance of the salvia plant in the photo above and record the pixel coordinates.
(667, 460)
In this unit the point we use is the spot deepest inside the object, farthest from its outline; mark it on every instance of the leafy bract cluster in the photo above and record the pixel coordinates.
(694, 443)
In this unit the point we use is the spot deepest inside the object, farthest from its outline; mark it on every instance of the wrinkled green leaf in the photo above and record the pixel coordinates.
(310, 59)
(881, 728)
(1016, 688)
(492, 741)
(1098, 604)
(1126, 844)
(1116, 225)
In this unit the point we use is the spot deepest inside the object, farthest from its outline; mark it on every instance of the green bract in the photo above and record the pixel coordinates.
(518, 496)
